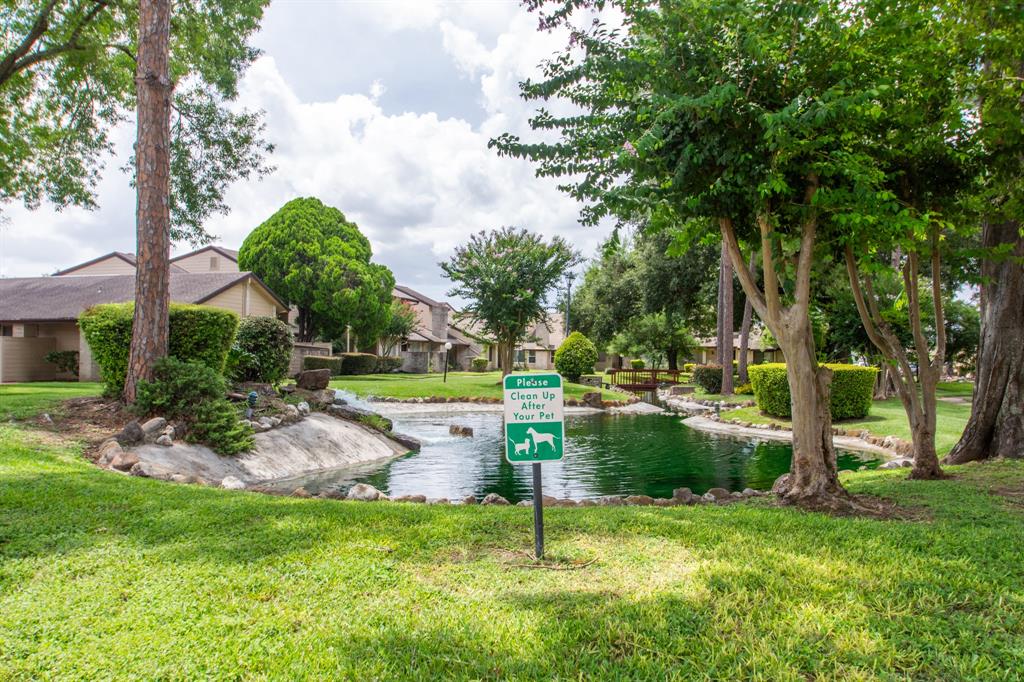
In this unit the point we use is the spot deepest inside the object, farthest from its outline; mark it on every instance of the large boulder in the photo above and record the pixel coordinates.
(408, 441)
(131, 434)
(154, 428)
(109, 449)
(593, 399)
(640, 500)
(356, 414)
(719, 493)
(683, 496)
(781, 485)
(314, 379)
(124, 461)
(495, 498)
(364, 492)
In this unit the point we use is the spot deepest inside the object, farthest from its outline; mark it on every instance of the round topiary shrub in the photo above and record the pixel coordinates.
(262, 350)
(575, 357)
(480, 364)
(637, 363)
(852, 388)
(708, 377)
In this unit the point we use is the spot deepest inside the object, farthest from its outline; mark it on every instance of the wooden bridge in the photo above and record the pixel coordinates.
(642, 380)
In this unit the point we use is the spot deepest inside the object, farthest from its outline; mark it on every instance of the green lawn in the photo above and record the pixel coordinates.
(888, 418)
(458, 385)
(116, 577)
(20, 401)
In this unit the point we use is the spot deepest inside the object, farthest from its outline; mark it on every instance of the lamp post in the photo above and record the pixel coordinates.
(569, 277)
(447, 347)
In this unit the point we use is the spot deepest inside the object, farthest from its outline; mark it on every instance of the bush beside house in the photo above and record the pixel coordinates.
(197, 333)
(851, 391)
(262, 350)
(708, 377)
(575, 357)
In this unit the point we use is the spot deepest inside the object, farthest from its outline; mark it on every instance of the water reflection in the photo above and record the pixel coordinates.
(605, 455)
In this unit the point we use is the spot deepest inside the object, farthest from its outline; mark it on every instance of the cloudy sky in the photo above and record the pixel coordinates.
(381, 108)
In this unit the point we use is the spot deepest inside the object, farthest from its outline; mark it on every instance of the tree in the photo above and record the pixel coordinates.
(650, 335)
(151, 324)
(506, 275)
(318, 261)
(731, 111)
(401, 322)
(989, 34)
(745, 325)
(67, 79)
(725, 321)
(575, 357)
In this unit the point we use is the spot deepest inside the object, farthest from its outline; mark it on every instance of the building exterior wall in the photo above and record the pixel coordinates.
(207, 261)
(230, 299)
(112, 265)
(24, 358)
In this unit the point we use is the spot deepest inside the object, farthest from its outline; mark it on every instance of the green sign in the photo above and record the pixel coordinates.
(534, 430)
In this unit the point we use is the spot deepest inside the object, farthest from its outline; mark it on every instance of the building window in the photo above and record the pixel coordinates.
(214, 263)
(532, 357)
(6, 330)
(405, 346)
(520, 356)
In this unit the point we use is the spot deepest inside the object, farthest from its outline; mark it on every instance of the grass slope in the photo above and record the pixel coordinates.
(114, 577)
(21, 401)
(458, 385)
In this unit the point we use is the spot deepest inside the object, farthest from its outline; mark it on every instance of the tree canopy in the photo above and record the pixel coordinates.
(67, 78)
(506, 276)
(318, 261)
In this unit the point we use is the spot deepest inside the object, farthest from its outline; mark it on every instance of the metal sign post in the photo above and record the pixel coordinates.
(534, 432)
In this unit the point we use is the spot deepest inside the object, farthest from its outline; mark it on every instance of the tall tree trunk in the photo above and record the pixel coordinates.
(672, 356)
(813, 480)
(996, 426)
(885, 382)
(725, 325)
(153, 219)
(748, 314)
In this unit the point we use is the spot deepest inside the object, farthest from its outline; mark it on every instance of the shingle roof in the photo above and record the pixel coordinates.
(37, 299)
(405, 291)
(128, 258)
(227, 253)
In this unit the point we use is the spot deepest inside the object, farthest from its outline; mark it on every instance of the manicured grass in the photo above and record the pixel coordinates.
(21, 401)
(887, 418)
(699, 394)
(458, 385)
(963, 389)
(116, 577)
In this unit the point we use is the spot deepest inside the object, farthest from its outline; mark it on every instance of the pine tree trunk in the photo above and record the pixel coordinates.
(153, 220)
(672, 357)
(725, 340)
(996, 426)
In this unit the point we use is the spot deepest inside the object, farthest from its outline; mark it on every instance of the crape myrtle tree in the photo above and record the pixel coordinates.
(989, 33)
(401, 322)
(507, 275)
(318, 261)
(750, 114)
(928, 144)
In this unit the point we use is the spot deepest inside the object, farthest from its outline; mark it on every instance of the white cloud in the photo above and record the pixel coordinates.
(417, 184)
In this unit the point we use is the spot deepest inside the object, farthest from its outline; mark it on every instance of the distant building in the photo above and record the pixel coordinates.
(40, 314)
(757, 350)
(536, 352)
(424, 350)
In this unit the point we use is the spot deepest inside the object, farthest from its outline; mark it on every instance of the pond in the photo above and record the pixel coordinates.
(605, 455)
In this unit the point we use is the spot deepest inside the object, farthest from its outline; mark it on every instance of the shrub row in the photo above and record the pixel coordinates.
(197, 333)
(352, 363)
(66, 361)
(852, 388)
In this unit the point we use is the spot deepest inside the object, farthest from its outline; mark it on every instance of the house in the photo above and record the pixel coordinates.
(39, 314)
(537, 352)
(758, 350)
(425, 349)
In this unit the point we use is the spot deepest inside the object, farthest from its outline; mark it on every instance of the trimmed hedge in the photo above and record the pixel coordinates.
(688, 367)
(637, 363)
(708, 377)
(358, 363)
(332, 363)
(852, 388)
(480, 364)
(389, 363)
(66, 361)
(262, 350)
(575, 357)
(197, 333)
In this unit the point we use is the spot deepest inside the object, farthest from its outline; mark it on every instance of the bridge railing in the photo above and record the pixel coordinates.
(643, 377)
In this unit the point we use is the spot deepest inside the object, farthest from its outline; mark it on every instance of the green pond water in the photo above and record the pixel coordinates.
(605, 455)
